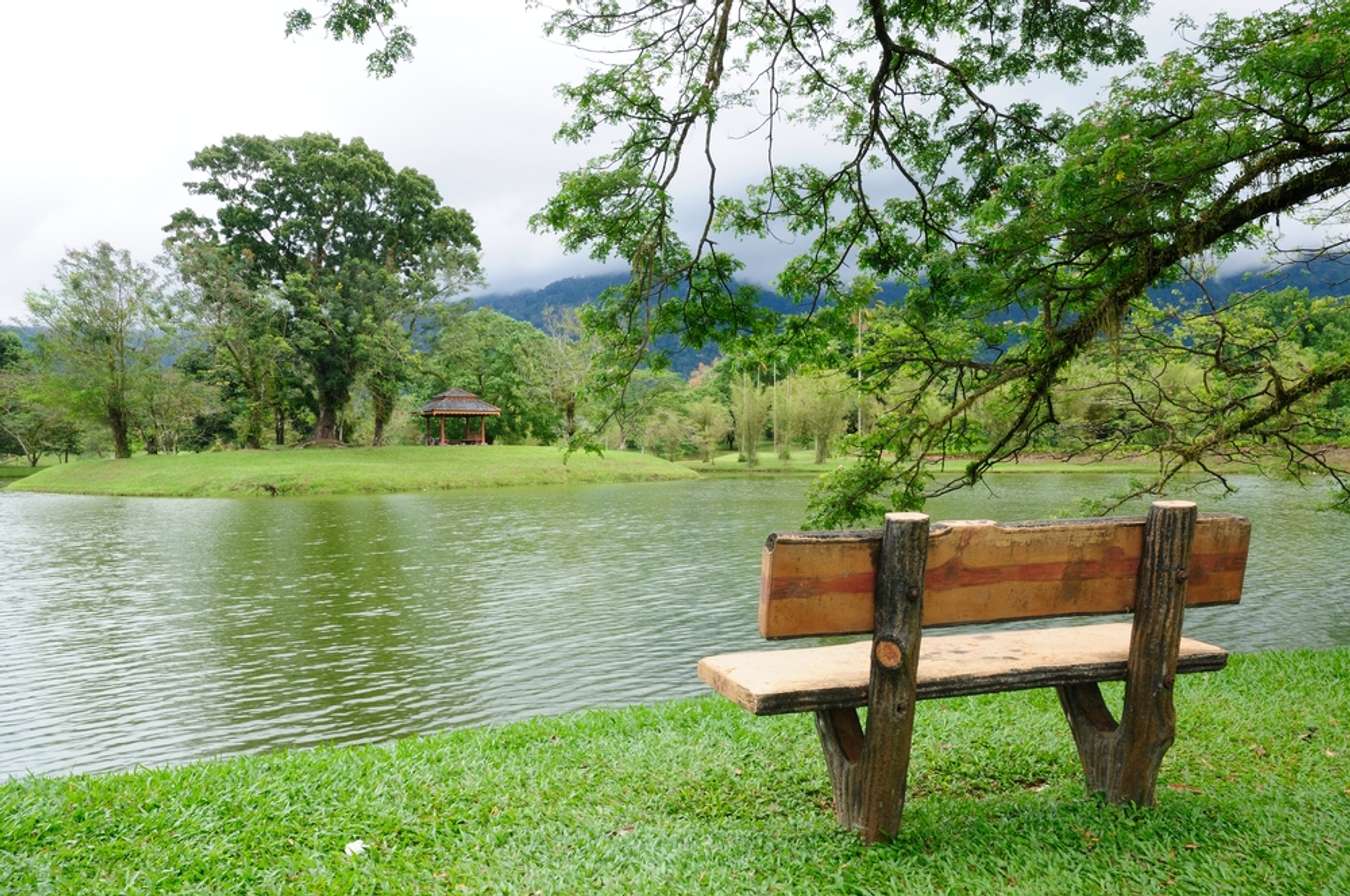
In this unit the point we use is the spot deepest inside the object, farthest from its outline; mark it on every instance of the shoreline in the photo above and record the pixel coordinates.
(348, 471)
(697, 796)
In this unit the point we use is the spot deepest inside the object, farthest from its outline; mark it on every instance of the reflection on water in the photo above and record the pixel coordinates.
(145, 631)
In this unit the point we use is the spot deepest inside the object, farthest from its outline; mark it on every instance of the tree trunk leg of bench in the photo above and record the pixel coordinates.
(1093, 730)
(1147, 719)
(841, 737)
(869, 770)
(1122, 761)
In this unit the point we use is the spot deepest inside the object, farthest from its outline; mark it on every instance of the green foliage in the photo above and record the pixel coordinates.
(1028, 236)
(823, 405)
(485, 352)
(645, 392)
(565, 364)
(31, 423)
(668, 432)
(166, 408)
(345, 240)
(243, 328)
(12, 351)
(750, 409)
(710, 423)
(101, 339)
(354, 20)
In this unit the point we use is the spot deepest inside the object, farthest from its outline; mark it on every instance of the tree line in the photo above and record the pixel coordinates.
(1029, 235)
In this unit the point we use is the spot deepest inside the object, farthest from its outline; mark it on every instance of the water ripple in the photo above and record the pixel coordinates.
(146, 631)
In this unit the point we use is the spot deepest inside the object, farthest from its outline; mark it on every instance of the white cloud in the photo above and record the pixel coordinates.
(106, 101)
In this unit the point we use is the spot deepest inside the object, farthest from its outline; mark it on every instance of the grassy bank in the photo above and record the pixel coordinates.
(698, 797)
(344, 471)
(803, 464)
(12, 472)
(768, 463)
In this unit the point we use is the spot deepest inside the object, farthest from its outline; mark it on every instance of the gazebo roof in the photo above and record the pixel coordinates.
(458, 403)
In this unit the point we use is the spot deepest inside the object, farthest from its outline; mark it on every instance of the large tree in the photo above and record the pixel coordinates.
(100, 334)
(1029, 235)
(345, 239)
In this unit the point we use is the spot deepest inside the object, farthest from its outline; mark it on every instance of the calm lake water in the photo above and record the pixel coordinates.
(151, 631)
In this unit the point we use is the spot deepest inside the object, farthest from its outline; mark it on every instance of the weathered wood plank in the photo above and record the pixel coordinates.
(767, 682)
(981, 571)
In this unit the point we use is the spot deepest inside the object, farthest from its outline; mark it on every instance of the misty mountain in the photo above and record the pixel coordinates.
(1324, 277)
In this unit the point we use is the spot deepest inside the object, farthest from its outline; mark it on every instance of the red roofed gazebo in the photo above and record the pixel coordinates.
(458, 403)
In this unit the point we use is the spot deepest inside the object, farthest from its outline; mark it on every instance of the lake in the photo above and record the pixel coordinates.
(150, 631)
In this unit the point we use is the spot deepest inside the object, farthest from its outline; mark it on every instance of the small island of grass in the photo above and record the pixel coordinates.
(345, 471)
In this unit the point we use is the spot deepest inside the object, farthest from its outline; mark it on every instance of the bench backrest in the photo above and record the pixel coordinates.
(821, 583)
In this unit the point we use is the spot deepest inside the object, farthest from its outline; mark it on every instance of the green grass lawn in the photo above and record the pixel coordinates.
(19, 469)
(345, 471)
(696, 796)
(10, 472)
(802, 463)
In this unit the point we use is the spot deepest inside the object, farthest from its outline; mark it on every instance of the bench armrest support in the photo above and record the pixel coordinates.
(1122, 760)
(869, 770)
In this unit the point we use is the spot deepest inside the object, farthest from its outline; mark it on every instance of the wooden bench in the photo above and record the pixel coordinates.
(896, 581)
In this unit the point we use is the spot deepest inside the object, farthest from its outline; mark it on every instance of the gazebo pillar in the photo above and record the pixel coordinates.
(482, 430)
(442, 419)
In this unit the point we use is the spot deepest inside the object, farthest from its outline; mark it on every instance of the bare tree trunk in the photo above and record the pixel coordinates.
(325, 425)
(117, 422)
(253, 434)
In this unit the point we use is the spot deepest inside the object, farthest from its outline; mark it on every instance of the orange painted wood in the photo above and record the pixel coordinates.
(979, 571)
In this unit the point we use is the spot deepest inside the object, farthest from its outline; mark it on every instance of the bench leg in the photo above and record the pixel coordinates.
(1122, 760)
(841, 738)
(868, 770)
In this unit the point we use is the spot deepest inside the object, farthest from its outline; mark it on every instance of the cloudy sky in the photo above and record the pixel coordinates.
(104, 103)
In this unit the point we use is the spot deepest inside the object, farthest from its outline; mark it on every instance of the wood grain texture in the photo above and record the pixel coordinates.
(803, 679)
(1122, 761)
(981, 571)
(869, 791)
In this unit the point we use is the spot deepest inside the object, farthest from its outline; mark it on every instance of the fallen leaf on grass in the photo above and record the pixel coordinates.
(1191, 845)
(1259, 750)
(1184, 788)
(355, 848)
(1330, 754)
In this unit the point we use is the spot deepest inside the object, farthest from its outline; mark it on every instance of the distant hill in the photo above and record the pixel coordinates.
(572, 292)
(1319, 278)
(26, 334)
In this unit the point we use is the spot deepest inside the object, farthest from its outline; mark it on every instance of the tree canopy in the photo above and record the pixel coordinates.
(1028, 235)
(101, 334)
(348, 242)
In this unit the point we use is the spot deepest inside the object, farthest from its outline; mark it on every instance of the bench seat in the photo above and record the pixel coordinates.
(767, 682)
